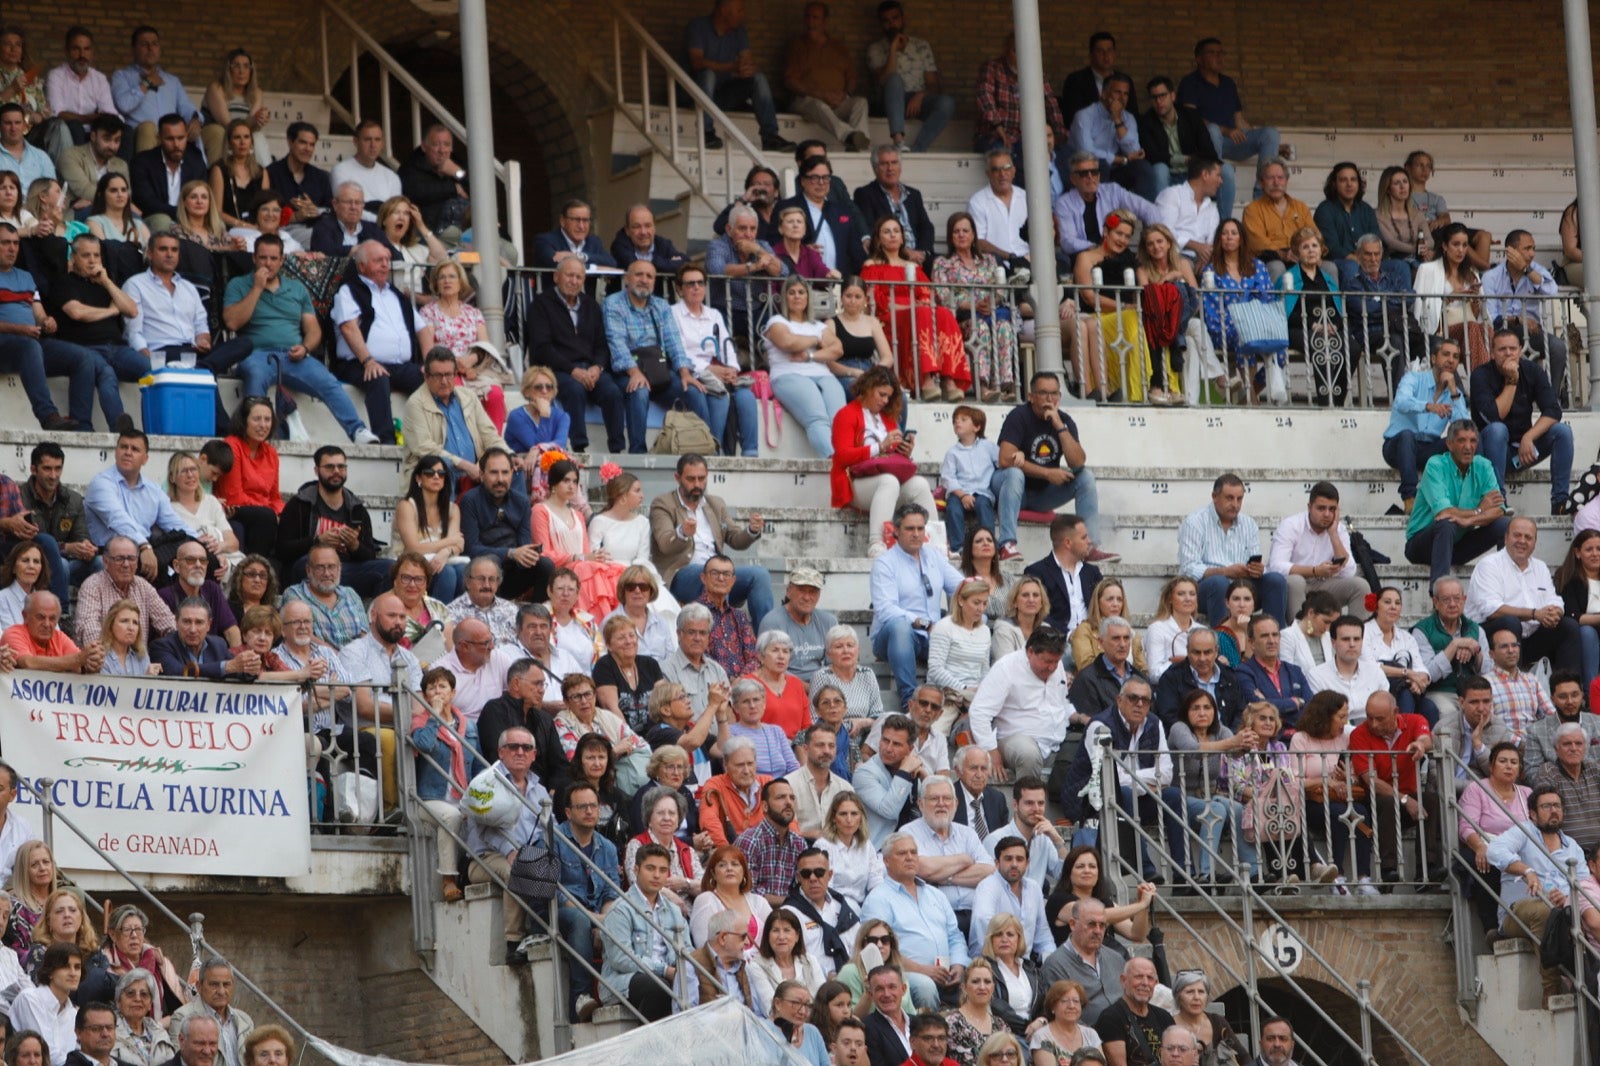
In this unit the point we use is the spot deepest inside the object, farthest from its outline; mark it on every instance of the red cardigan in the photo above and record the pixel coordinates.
(849, 448)
(251, 482)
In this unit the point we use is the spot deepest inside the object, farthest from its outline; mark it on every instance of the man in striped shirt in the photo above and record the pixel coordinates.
(1218, 545)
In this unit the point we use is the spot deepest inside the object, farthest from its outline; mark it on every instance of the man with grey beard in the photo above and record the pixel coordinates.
(336, 613)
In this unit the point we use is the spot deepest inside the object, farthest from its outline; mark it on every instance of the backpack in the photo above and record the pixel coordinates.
(683, 432)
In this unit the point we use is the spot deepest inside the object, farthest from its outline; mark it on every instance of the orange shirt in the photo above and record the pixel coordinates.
(253, 481)
(1267, 231)
(19, 640)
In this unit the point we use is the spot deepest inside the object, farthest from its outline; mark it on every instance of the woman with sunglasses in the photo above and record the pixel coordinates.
(542, 420)
(202, 509)
(715, 362)
(428, 522)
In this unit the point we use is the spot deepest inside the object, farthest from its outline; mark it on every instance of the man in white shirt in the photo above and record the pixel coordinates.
(1010, 891)
(15, 830)
(1000, 211)
(924, 708)
(1511, 589)
(1020, 713)
(480, 667)
(377, 337)
(367, 169)
(815, 784)
(172, 319)
(1312, 551)
(1045, 845)
(827, 922)
(1189, 209)
(1347, 671)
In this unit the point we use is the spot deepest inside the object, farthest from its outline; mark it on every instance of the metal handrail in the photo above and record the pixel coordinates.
(509, 172)
(1113, 817)
(678, 80)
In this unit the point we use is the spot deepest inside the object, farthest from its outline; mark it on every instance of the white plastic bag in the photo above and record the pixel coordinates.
(492, 799)
(1277, 380)
(355, 799)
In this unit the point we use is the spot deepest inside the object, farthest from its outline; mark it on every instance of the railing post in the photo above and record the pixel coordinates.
(47, 809)
(1111, 811)
(1580, 1005)
(1364, 987)
(355, 78)
(1251, 973)
(481, 177)
(327, 78)
(423, 853)
(1462, 918)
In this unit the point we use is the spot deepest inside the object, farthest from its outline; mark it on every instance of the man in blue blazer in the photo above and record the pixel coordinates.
(573, 235)
(336, 232)
(837, 231)
(191, 650)
(889, 196)
(156, 176)
(1265, 676)
(1068, 561)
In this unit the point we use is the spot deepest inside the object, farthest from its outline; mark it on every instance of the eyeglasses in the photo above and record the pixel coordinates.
(1003, 170)
(517, 747)
(1004, 1055)
(636, 586)
(417, 579)
(881, 938)
(254, 575)
(813, 873)
(544, 386)
(432, 471)
(586, 696)
(124, 559)
(720, 575)
(932, 705)
(803, 1003)
(700, 284)
(1137, 701)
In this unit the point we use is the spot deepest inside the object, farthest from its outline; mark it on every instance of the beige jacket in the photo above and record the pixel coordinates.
(671, 552)
(424, 428)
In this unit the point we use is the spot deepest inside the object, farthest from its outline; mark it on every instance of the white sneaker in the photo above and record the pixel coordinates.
(533, 940)
(1324, 872)
(585, 1007)
(1340, 887)
(1365, 887)
(365, 436)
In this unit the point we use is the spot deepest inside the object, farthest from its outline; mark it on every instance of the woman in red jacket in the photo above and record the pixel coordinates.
(249, 492)
(872, 467)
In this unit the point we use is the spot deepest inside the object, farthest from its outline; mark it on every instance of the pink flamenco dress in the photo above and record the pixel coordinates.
(563, 544)
(911, 317)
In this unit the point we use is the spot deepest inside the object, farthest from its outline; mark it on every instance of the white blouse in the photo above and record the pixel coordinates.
(1402, 651)
(1163, 641)
(780, 362)
(857, 869)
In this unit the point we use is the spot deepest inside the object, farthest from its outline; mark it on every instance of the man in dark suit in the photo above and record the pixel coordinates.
(638, 240)
(521, 706)
(1069, 578)
(1083, 87)
(1201, 669)
(567, 333)
(888, 196)
(572, 237)
(337, 231)
(1165, 119)
(192, 651)
(888, 1028)
(159, 174)
(1094, 690)
(836, 231)
(979, 805)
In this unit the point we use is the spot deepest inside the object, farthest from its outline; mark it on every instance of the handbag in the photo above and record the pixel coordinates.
(1277, 807)
(683, 432)
(535, 874)
(1262, 326)
(651, 360)
(899, 465)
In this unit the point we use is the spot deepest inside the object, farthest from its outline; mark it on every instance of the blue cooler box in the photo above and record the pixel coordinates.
(180, 402)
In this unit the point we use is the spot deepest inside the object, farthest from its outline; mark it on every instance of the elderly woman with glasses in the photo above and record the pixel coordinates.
(792, 1004)
(127, 951)
(141, 1040)
(1218, 1045)
(542, 420)
(774, 755)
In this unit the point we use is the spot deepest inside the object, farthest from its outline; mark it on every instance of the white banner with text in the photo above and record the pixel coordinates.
(166, 775)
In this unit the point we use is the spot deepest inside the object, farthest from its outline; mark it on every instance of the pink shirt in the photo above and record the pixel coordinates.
(1483, 813)
(1317, 760)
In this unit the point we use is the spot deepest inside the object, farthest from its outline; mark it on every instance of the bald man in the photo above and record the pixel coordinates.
(480, 667)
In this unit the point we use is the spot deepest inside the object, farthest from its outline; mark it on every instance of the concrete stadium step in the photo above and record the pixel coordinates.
(287, 108)
(1449, 147)
(1511, 1016)
(957, 137)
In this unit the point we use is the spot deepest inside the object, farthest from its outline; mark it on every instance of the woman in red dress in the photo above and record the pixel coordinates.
(926, 337)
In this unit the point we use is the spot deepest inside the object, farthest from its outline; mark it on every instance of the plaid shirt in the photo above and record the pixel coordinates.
(1518, 700)
(772, 858)
(733, 638)
(999, 100)
(500, 616)
(10, 498)
(338, 625)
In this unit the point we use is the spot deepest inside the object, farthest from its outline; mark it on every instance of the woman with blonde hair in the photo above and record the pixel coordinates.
(1177, 615)
(622, 531)
(200, 222)
(1110, 600)
(542, 420)
(1027, 607)
(203, 510)
(46, 203)
(237, 178)
(34, 875)
(122, 633)
(65, 921)
(451, 320)
(1402, 226)
(235, 96)
(1018, 990)
(800, 364)
(1063, 1036)
(857, 865)
(974, 1022)
(958, 650)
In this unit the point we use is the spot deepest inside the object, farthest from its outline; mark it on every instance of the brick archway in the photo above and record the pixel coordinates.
(1309, 1027)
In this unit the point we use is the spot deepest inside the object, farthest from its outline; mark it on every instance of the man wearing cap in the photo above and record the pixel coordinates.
(799, 617)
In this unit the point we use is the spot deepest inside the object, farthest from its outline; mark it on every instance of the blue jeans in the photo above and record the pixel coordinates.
(1225, 195)
(267, 367)
(937, 111)
(752, 588)
(1408, 453)
(742, 432)
(1012, 495)
(60, 578)
(1495, 445)
(1137, 176)
(1589, 642)
(1272, 596)
(1171, 811)
(1209, 816)
(902, 647)
(637, 405)
(575, 400)
(1438, 547)
(126, 364)
(735, 94)
(449, 582)
(1259, 141)
(24, 357)
(578, 933)
(955, 518)
(812, 402)
(84, 372)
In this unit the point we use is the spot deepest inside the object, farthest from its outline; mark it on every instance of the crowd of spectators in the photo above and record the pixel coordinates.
(872, 869)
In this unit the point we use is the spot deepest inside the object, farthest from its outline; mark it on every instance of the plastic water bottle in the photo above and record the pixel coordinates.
(1208, 278)
(1129, 278)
